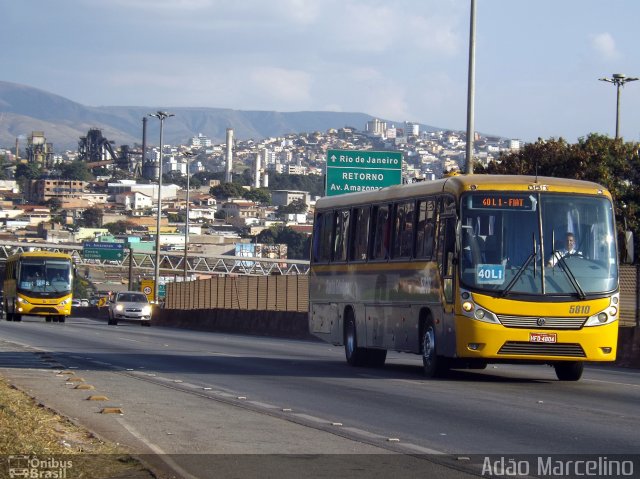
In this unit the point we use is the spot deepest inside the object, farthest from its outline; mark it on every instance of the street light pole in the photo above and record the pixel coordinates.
(471, 86)
(188, 155)
(160, 115)
(618, 79)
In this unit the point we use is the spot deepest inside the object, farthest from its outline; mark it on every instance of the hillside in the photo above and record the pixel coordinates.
(24, 109)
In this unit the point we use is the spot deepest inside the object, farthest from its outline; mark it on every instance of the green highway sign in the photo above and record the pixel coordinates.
(352, 170)
(103, 251)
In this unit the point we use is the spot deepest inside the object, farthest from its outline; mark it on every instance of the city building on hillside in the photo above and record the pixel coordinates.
(200, 141)
(286, 197)
(41, 191)
(134, 200)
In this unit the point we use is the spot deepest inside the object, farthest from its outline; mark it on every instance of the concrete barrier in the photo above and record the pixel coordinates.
(264, 323)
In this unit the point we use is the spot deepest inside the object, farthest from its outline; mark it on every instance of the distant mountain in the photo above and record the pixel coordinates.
(24, 109)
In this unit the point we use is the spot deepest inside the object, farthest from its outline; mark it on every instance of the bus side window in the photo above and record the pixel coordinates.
(360, 234)
(403, 230)
(425, 229)
(322, 237)
(341, 235)
(380, 232)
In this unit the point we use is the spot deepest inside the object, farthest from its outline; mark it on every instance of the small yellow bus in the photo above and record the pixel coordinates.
(38, 283)
(468, 270)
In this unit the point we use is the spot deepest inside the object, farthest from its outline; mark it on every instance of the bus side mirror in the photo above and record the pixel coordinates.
(629, 247)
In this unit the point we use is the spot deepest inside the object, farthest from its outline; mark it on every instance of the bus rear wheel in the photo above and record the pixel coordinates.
(354, 354)
(569, 370)
(432, 365)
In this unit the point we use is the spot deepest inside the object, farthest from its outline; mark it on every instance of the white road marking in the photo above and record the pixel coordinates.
(155, 448)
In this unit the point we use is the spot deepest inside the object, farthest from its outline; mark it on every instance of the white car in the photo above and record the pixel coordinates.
(130, 305)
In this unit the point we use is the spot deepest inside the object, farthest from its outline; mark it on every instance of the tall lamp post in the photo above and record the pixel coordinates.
(160, 115)
(188, 155)
(471, 88)
(618, 79)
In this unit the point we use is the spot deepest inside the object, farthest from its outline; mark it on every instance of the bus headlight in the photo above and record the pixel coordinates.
(603, 317)
(485, 316)
(22, 300)
(65, 302)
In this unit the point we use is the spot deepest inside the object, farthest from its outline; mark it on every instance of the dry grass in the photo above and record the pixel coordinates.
(31, 429)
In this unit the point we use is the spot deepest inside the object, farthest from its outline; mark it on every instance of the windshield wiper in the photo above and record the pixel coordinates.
(513, 282)
(523, 268)
(572, 278)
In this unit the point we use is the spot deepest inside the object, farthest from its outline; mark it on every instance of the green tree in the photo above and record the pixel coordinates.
(92, 218)
(314, 184)
(298, 244)
(295, 207)
(121, 227)
(227, 190)
(259, 195)
(28, 171)
(76, 171)
(54, 204)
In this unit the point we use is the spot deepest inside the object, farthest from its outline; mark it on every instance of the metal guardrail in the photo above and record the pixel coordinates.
(172, 262)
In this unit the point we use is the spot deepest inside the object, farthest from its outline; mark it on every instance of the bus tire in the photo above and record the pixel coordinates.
(569, 370)
(17, 317)
(62, 319)
(433, 366)
(47, 319)
(355, 355)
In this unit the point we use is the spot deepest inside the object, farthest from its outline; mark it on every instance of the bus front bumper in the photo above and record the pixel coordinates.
(489, 341)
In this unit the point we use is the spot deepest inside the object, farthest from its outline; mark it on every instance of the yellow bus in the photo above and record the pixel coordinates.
(38, 283)
(466, 271)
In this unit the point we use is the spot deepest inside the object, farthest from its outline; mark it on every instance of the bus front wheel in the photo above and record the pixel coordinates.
(432, 364)
(569, 370)
(17, 317)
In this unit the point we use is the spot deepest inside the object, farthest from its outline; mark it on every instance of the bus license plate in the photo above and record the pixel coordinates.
(543, 337)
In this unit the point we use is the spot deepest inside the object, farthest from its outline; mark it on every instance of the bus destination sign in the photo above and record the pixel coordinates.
(349, 171)
(501, 202)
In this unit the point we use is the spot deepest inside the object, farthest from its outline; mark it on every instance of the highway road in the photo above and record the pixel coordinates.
(187, 397)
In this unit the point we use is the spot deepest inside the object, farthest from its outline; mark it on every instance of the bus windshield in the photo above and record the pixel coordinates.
(537, 243)
(37, 275)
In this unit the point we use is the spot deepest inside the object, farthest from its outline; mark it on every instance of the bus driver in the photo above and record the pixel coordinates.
(569, 249)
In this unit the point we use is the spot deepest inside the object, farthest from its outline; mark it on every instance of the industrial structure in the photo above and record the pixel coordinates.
(38, 150)
(96, 150)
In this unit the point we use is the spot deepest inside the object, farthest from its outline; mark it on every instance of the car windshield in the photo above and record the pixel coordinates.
(45, 276)
(132, 298)
(502, 250)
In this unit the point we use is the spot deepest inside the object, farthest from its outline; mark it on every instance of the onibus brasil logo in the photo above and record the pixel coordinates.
(38, 468)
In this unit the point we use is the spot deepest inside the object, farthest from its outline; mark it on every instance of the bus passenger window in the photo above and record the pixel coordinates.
(360, 238)
(425, 229)
(380, 232)
(403, 231)
(322, 237)
(341, 236)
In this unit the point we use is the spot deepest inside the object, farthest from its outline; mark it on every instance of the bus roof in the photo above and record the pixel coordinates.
(39, 254)
(461, 183)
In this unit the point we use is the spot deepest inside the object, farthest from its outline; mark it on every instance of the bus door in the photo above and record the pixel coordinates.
(446, 265)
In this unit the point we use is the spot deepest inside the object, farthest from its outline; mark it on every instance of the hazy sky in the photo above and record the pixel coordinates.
(537, 61)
